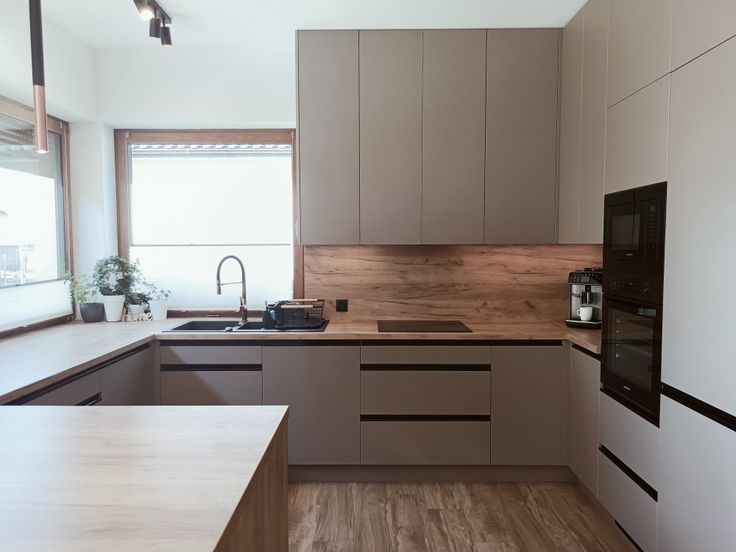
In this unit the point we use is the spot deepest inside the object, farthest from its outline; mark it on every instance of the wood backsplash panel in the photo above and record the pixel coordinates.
(473, 283)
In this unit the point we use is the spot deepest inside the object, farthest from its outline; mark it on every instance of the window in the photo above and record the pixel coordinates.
(33, 237)
(191, 198)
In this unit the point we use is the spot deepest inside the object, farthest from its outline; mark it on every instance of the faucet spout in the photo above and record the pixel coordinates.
(220, 283)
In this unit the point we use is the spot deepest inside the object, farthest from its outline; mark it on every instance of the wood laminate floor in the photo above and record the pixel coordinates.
(447, 517)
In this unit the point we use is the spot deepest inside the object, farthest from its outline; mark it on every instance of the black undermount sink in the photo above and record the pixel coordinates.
(218, 326)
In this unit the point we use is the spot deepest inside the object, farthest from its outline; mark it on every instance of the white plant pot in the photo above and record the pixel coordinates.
(159, 309)
(136, 310)
(113, 307)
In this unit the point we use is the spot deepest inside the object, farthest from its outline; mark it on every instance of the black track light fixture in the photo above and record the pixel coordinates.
(41, 135)
(165, 35)
(158, 19)
(154, 27)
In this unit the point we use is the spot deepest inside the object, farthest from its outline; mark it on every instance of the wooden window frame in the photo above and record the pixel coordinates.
(25, 114)
(124, 138)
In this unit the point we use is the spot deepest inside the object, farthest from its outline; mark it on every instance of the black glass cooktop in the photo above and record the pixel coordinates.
(428, 326)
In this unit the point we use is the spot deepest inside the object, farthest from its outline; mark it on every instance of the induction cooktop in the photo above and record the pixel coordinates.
(427, 326)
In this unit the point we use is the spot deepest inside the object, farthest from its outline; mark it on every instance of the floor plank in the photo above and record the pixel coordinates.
(447, 517)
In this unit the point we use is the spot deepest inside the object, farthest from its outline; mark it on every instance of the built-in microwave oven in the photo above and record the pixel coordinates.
(633, 243)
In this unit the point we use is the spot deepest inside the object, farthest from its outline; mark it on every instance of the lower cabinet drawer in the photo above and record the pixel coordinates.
(425, 392)
(211, 387)
(628, 503)
(439, 443)
(82, 391)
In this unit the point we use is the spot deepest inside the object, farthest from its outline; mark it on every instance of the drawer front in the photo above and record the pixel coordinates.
(630, 437)
(425, 392)
(210, 354)
(211, 387)
(440, 443)
(426, 354)
(627, 502)
(73, 393)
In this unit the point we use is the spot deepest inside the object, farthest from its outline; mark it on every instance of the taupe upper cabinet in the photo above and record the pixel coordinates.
(328, 136)
(390, 137)
(639, 45)
(570, 130)
(521, 135)
(593, 121)
(454, 83)
(699, 26)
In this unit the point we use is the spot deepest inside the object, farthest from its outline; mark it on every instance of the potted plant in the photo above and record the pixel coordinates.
(158, 302)
(114, 278)
(83, 293)
(136, 301)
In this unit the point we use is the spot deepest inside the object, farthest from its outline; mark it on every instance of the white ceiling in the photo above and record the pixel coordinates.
(115, 24)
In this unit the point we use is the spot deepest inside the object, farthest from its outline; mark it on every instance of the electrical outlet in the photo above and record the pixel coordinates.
(341, 305)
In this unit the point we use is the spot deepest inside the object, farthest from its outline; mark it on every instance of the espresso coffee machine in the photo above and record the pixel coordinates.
(586, 290)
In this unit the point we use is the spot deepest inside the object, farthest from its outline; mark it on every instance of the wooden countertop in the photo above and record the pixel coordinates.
(127, 478)
(35, 360)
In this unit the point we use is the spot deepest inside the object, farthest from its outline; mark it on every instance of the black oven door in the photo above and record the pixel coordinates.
(632, 355)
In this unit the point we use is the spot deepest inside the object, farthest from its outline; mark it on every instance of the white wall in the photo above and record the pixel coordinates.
(208, 87)
(93, 194)
(70, 65)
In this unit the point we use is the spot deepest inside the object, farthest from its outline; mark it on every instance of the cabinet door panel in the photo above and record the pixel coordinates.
(130, 381)
(328, 136)
(701, 202)
(390, 137)
(639, 45)
(636, 138)
(210, 387)
(570, 130)
(697, 495)
(699, 26)
(526, 405)
(593, 130)
(521, 136)
(72, 393)
(442, 443)
(453, 116)
(581, 413)
(321, 386)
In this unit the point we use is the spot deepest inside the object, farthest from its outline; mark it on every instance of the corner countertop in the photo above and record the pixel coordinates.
(128, 477)
(35, 360)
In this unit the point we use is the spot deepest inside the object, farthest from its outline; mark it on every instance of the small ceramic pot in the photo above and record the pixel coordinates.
(113, 307)
(92, 312)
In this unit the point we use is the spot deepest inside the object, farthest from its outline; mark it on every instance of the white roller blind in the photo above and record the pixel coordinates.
(24, 305)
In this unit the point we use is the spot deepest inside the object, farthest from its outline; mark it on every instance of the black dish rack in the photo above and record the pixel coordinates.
(296, 314)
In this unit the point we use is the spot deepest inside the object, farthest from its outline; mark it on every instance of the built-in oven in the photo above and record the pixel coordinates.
(633, 276)
(632, 355)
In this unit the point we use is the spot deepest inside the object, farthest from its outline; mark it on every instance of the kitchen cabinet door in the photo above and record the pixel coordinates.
(699, 26)
(697, 492)
(697, 335)
(570, 130)
(321, 386)
(182, 385)
(210, 373)
(390, 137)
(526, 405)
(328, 136)
(521, 136)
(581, 417)
(453, 115)
(130, 380)
(639, 45)
(81, 391)
(636, 139)
(593, 121)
